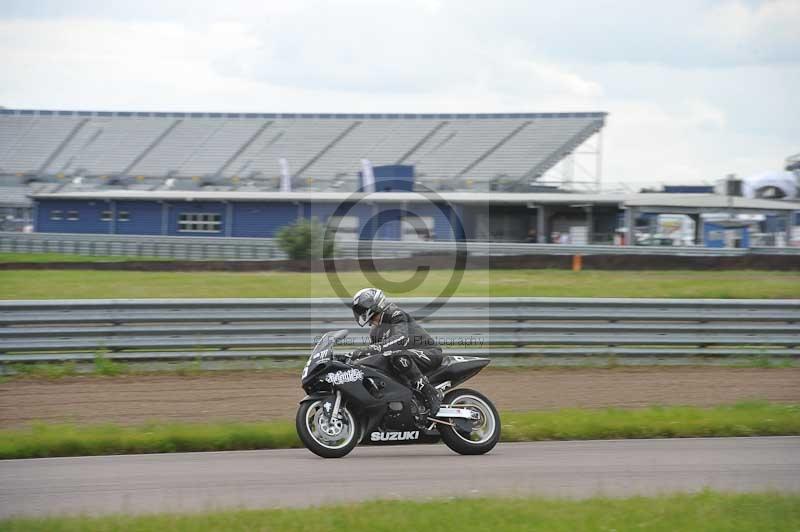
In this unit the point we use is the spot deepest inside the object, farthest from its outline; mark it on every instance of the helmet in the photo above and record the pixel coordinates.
(368, 302)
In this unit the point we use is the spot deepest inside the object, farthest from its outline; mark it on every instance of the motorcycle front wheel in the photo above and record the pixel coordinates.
(475, 436)
(323, 436)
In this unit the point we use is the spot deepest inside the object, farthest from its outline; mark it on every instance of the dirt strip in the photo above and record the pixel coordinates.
(260, 396)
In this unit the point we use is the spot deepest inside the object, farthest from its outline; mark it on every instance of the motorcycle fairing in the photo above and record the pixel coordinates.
(457, 369)
(383, 437)
(369, 396)
(316, 396)
(377, 361)
(375, 403)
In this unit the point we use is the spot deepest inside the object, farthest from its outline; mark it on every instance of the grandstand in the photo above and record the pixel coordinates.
(194, 174)
(62, 150)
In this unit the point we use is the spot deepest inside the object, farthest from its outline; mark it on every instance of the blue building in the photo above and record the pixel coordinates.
(381, 215)
(726, 234)
(397, 215)
(243, 214)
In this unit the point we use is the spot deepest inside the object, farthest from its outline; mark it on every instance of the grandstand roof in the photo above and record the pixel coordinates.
(355, 116)
(645, 202)
(338, 197)
(455, 151)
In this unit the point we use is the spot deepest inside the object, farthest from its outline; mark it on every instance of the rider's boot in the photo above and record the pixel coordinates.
(430, 394)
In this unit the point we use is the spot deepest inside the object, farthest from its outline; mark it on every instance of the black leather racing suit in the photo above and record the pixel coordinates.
(411, 349)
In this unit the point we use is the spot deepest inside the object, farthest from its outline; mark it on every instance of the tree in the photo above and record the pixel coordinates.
(306, 239)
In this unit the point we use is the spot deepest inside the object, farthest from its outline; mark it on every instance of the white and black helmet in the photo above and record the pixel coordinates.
(367, 303)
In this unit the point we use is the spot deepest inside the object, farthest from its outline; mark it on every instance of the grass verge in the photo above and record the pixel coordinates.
(101, 365)
(43, 440)
(743, 419)
(752, 418)
(82, 284)
(704, 511)
(104, 367)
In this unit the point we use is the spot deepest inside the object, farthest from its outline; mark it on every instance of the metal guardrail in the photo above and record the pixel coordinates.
(219, 248)
(176, 247)
(79, 330)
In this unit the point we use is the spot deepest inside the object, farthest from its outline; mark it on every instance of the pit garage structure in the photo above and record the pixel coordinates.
(785, 213)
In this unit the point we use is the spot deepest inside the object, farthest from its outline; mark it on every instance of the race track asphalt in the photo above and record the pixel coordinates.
(295, 477)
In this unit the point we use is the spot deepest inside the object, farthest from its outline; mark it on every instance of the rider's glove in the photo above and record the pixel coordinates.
(359, 353)
(345, 357)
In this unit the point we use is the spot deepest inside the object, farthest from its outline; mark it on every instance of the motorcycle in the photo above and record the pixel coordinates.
(352, 401)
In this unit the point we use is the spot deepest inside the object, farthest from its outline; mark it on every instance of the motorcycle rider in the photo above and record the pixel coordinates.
(395, 334)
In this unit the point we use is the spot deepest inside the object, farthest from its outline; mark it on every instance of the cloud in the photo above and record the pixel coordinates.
(689, 33)
(690, 142)
(765, 31)
(90, 63)
(694, 90)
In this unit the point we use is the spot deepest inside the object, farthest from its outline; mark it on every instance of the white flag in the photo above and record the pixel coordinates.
(286, 177)
(367, 177)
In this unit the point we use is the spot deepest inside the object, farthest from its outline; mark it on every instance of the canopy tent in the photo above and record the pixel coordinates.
(785, 182)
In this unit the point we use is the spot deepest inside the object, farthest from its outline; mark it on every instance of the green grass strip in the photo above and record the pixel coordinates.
(704, 511)
(743, 419)
(105, 367)
(82, 284)
(43, 440)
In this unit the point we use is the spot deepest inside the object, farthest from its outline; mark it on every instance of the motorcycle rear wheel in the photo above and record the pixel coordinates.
(325, 437)
(484, 432)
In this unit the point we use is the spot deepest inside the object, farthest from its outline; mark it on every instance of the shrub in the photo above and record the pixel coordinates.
(306, 239)
(106, 366)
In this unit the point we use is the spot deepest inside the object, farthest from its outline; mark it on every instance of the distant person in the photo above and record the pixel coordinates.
(532, 236)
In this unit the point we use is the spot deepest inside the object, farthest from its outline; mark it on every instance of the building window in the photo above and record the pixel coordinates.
(123, 216)
(105, 216)
(56, 215)
(199, 222)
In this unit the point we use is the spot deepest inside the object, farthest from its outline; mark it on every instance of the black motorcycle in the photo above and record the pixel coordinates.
(358, 400)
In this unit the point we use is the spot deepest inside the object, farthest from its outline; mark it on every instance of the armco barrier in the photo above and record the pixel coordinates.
(47, 331)
(219, 248)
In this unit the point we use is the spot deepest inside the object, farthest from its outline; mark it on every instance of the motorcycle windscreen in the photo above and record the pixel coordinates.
(322, 352)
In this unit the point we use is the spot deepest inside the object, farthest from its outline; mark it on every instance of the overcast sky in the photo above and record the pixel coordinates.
(695, 89)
